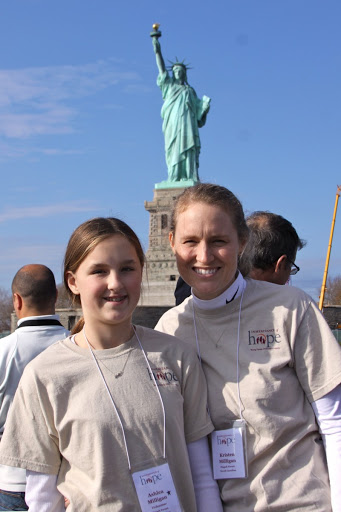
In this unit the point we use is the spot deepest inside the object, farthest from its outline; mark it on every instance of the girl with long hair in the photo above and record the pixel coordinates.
(114, 417)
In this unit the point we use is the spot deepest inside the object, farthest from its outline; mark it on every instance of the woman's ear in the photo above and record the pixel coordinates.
(71, 282)
(171, 240)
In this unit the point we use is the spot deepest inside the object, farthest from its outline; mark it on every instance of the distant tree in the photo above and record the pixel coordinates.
(63, 300)
(6, 308)
(333, 291)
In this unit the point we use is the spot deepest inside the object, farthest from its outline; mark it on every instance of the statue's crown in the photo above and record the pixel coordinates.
(178, 63)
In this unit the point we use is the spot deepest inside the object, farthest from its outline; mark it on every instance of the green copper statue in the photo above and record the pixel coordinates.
(183, 114)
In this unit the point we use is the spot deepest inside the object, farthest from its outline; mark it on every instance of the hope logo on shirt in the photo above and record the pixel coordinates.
(264, 339)
(164, 376)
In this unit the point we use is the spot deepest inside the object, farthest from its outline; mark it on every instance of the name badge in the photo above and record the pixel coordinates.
(155, 490)
(229, 451)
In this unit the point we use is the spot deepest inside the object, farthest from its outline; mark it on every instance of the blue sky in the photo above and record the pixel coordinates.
(80, 126)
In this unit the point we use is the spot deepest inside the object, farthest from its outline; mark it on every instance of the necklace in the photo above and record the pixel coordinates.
(205, 328)
(121, 372)
(118, 374)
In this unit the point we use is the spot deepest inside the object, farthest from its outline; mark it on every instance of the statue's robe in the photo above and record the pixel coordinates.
(183, 113)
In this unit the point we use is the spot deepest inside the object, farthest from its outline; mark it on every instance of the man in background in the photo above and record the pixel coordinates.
(34, 295)
(271, 248)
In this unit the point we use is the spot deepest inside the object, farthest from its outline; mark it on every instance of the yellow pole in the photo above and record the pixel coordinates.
(323, 287)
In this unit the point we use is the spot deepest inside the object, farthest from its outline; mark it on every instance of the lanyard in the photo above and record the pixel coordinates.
(238, 343)
(113, 402)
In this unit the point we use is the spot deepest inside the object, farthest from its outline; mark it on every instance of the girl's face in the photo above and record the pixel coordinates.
(108, 282)
(206, 246)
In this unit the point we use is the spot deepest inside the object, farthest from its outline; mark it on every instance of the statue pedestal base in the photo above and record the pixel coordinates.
(161, 273)
(175, 184)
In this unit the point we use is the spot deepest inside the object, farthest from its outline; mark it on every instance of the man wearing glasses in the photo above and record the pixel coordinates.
(272, 247)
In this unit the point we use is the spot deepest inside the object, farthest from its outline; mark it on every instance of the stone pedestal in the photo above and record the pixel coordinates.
(161, 273)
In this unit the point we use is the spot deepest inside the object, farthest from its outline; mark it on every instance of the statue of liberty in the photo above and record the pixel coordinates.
(183, 113)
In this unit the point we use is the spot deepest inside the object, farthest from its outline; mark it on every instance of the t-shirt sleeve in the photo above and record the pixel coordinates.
(30, 440)
(160, 326)
(317, 355)
(196, 419)
(166, 323)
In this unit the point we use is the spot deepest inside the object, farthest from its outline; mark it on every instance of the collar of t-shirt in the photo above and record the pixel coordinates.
(38, 317)
(233, 292)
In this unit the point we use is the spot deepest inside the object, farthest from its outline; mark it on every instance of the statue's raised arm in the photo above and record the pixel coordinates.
(155, 35)
(183, 114)
(159, 59)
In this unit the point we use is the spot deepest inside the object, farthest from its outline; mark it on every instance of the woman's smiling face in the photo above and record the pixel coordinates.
(206, 246)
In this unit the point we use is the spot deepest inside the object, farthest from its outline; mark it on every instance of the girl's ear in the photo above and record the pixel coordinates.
(71, 282)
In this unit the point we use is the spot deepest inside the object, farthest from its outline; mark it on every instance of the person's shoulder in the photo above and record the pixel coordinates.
(61, 328)
(53, 332)
(8, 339)
(60, 333)
(50, 356)
(145, 333)
(162, 341)
(184, 307)
(7, 343)
(170, 319)
(276, 292)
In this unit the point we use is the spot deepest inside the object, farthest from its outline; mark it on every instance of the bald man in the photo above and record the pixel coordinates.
(34, 296)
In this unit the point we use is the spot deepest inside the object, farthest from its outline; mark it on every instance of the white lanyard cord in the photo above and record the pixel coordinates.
(196, 335)
(198, 350)
(113, 402)
(110, 396)
(238, 343)
(158, 391)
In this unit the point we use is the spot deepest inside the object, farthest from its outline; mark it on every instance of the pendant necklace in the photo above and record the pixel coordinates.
(118, 374)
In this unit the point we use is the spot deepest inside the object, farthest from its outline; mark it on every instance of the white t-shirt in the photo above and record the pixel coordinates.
(288, 358)
(16, 351)
(62, 420)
